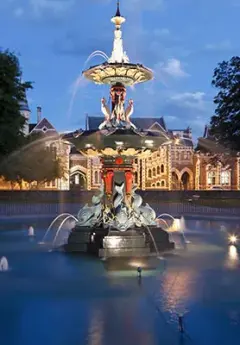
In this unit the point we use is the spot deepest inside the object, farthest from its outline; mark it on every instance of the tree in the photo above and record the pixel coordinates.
(12, 92)
(34, 163)
(225, 124)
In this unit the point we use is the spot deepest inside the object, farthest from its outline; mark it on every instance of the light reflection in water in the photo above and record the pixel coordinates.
(95, 333)
(178, 290)
(232, 260)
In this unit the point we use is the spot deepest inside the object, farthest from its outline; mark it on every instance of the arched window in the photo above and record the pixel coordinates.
(153, 185)
(154, 171)
(225, 177)
(211, 177)
(162, 183)
(158, 170)
(158, 184)
(149, 173)
(162, 168)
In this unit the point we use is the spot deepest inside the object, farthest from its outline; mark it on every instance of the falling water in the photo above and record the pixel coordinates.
(4, 264)
(66, 215)
(80, 78)
(153, 241)
(30, 231)
(60, 227)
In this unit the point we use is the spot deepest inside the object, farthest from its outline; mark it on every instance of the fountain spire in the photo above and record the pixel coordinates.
(118, 54)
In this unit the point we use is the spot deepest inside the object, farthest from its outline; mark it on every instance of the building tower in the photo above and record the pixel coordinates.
(25, 112)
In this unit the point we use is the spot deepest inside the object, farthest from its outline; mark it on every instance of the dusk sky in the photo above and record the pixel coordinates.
(181, 40)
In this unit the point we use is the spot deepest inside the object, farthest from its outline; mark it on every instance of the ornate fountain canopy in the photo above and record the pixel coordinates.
(127, 142)
(125, 73)
(118, 68)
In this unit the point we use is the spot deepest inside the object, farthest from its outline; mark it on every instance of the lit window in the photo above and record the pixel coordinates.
(54, 183)
(211, 177)
(225, 177)
(96, 177)
(77, 179)
(136, 177)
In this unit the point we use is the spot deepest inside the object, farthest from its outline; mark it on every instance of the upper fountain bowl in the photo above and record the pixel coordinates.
(127, 74)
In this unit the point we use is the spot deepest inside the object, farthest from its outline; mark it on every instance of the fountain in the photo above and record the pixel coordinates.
(31, 231)
(117, 223)
(4, 264)
(66, 217)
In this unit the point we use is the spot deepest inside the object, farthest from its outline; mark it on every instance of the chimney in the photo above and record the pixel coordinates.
(39, 114)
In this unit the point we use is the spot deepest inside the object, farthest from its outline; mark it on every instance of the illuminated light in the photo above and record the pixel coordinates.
(119, 143)
(233, 239)
(149, 142)
(119, 161)
(88, 145)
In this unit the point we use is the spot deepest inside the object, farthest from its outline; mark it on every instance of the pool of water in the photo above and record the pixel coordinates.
(49, 297)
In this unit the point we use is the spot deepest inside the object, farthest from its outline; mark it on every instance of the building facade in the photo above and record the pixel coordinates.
(176, 165)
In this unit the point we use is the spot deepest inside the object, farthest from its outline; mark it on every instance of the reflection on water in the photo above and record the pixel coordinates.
(177, 291)
(232, 260)
(95, 334)
(70, 299)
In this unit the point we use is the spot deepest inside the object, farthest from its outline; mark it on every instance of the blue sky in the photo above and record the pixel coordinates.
(181, 40)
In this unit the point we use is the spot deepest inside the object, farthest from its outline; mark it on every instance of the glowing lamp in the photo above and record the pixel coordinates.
(119, 161)
(233, 239)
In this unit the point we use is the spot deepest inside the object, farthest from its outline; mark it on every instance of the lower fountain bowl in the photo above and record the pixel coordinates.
(133, 243)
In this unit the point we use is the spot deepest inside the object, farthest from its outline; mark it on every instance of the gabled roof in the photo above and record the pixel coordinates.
(44, 125)
(93, 122)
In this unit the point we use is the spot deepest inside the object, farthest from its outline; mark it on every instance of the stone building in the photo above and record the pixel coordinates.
(174, 166)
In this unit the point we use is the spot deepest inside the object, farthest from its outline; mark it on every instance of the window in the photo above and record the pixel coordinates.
(154, 171)
(162, 168)
(96, 175)
(162, 183)
(188, 155)
(135, 160)
(77, 179)
(158, 184)
(136, 177)
(153, 185)
(211, 177)
(149, 173)
(54, 183)
(177, 155)
(158, 170)
(225, 177)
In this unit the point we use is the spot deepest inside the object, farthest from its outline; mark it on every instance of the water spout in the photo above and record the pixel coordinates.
(4, 264)
(61, 225)
(31, 231)
(53, 222)
(153, 241)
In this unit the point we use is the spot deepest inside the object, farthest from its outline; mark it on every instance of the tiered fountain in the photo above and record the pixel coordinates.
(117, 223)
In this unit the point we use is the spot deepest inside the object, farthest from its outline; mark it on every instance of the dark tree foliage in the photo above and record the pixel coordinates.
(225, 124)
(33, 163)
(12, 92)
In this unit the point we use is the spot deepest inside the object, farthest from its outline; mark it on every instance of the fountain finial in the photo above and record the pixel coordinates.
(118, 20)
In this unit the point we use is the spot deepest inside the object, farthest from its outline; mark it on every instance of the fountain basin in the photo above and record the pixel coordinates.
(107, 244)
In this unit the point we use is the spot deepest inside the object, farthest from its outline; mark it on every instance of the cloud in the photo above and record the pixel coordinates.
(192, 100)
(161, 32)
(221, 46)
(172, 68)
(18, 12)
(54, 6)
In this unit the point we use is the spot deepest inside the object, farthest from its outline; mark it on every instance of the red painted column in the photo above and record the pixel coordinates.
(108, 181)
(129, 181)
